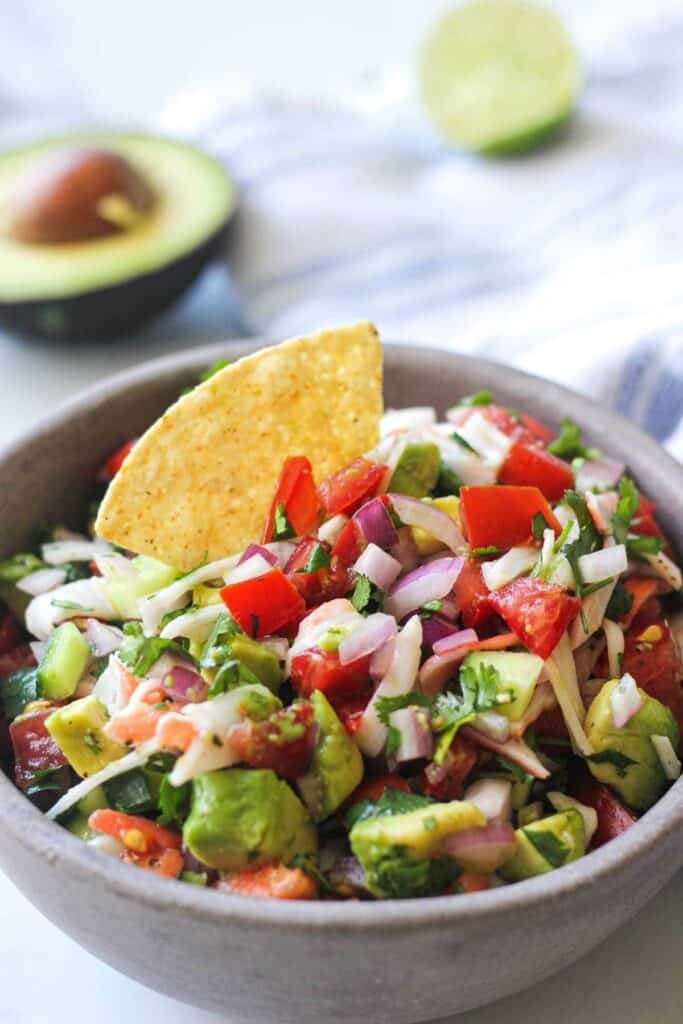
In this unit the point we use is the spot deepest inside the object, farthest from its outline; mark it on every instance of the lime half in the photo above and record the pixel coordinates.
(498, 76)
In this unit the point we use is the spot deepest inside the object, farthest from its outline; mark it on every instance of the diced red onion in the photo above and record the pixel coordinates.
(179, 679)
(347, 873)
(417, 739)
(614, 637)
(41, 581)
(667, 756)
(493, 797)
(375, 522)
(428, 582)
(42, 615)
(514, 563)
(600, 565)
(602, 472)
(405, 549)
(436, 628)
(282, 549)
(381, 660)
(331, 530)
(255, 565)
(449, 609)
(258, 549)
(103, 639)
(515, 750)
(625, 701)
(482, 849)
(195, 624)
(380, 568)
(376, 631)
(543, 699)
(493, 725)
(602, 507)
(400, 678)
(433, 520)
(456, 640)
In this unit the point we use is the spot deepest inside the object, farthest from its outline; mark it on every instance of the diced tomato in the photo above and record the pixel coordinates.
(471, 595)
(147, 845)
(372, 789)
(273, 881)
(350, 711)
(613, 817)
(325, 584)
(113, 464)
(470, 881)
(34, 748)
(282, 742)
(263, 604)
(346, 490)
(501, 516)
(537, 612)
(459, 762)
(19, 657)
(654, 664)
(350, 544)
(539, 430)
(641, 588)
(322, 670)
(296, 491)
(532, 465)
(9, 634)
(645, 507)
(150, 836)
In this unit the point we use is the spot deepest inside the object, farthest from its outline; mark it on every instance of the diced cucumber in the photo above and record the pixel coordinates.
(63, 663)
(123, 592)
(519, 672)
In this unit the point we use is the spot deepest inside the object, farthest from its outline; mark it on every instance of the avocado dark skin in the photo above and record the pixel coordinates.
(73, 197)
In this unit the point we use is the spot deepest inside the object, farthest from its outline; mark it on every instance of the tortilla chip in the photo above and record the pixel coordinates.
(200, 481)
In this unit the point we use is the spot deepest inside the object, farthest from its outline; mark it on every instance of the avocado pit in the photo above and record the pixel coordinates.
(75, 195)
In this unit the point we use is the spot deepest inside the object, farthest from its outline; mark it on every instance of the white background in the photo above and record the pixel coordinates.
(127, 60)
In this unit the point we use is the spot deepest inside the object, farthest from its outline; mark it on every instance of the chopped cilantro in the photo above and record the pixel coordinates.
(478, 398)
(361, 592)
(17, 690)
(130, 793)
(387, 705)
(479, 686)
(231, 673)
(590, 588)
(514, 770)
(392, 801)
(490, 549)
(463, 443)
(644, 545)
(214, 649)
(139, 652)
(620, 762)
(568, 444)
(210, 371)
(430, 608)
(629, 497)
(282, 528)
(588, 540)
(69, 605)
(46, 782)
(539, 525)
(174, 803)
(318, 559)
(306, 863)
(550, 846)
(254, 625)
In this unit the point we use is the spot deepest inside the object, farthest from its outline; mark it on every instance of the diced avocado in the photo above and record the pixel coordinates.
(258, 659)
(123, 592)
(77, 730)
(63, 663)
(336, 767)
(401, 854)
(546, 844)
(625, 758)
(246, 816)
(518, 671)
(425, 543)
(203, 596)
(417, 469)
(76, 820)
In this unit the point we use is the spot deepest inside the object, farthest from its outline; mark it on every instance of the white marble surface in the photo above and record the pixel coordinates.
(633, 978)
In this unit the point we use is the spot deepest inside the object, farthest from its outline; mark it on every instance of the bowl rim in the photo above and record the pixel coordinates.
(29, 827)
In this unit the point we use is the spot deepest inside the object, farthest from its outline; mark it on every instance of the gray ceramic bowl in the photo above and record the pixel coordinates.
(393, 962)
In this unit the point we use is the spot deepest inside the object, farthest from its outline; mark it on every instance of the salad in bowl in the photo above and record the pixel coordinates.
(444, 666)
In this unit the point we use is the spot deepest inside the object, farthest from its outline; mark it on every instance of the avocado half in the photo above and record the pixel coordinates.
(106, 286)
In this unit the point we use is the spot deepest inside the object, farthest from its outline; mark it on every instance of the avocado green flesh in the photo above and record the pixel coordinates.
(246, 816)
(499, 76)
(193, 199)
(417, 470)
(518, 671)
(641, 782)
(77, 729)
(545, 845)
(336, 767)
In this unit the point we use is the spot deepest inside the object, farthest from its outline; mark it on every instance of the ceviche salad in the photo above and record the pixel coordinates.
(445, 667)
